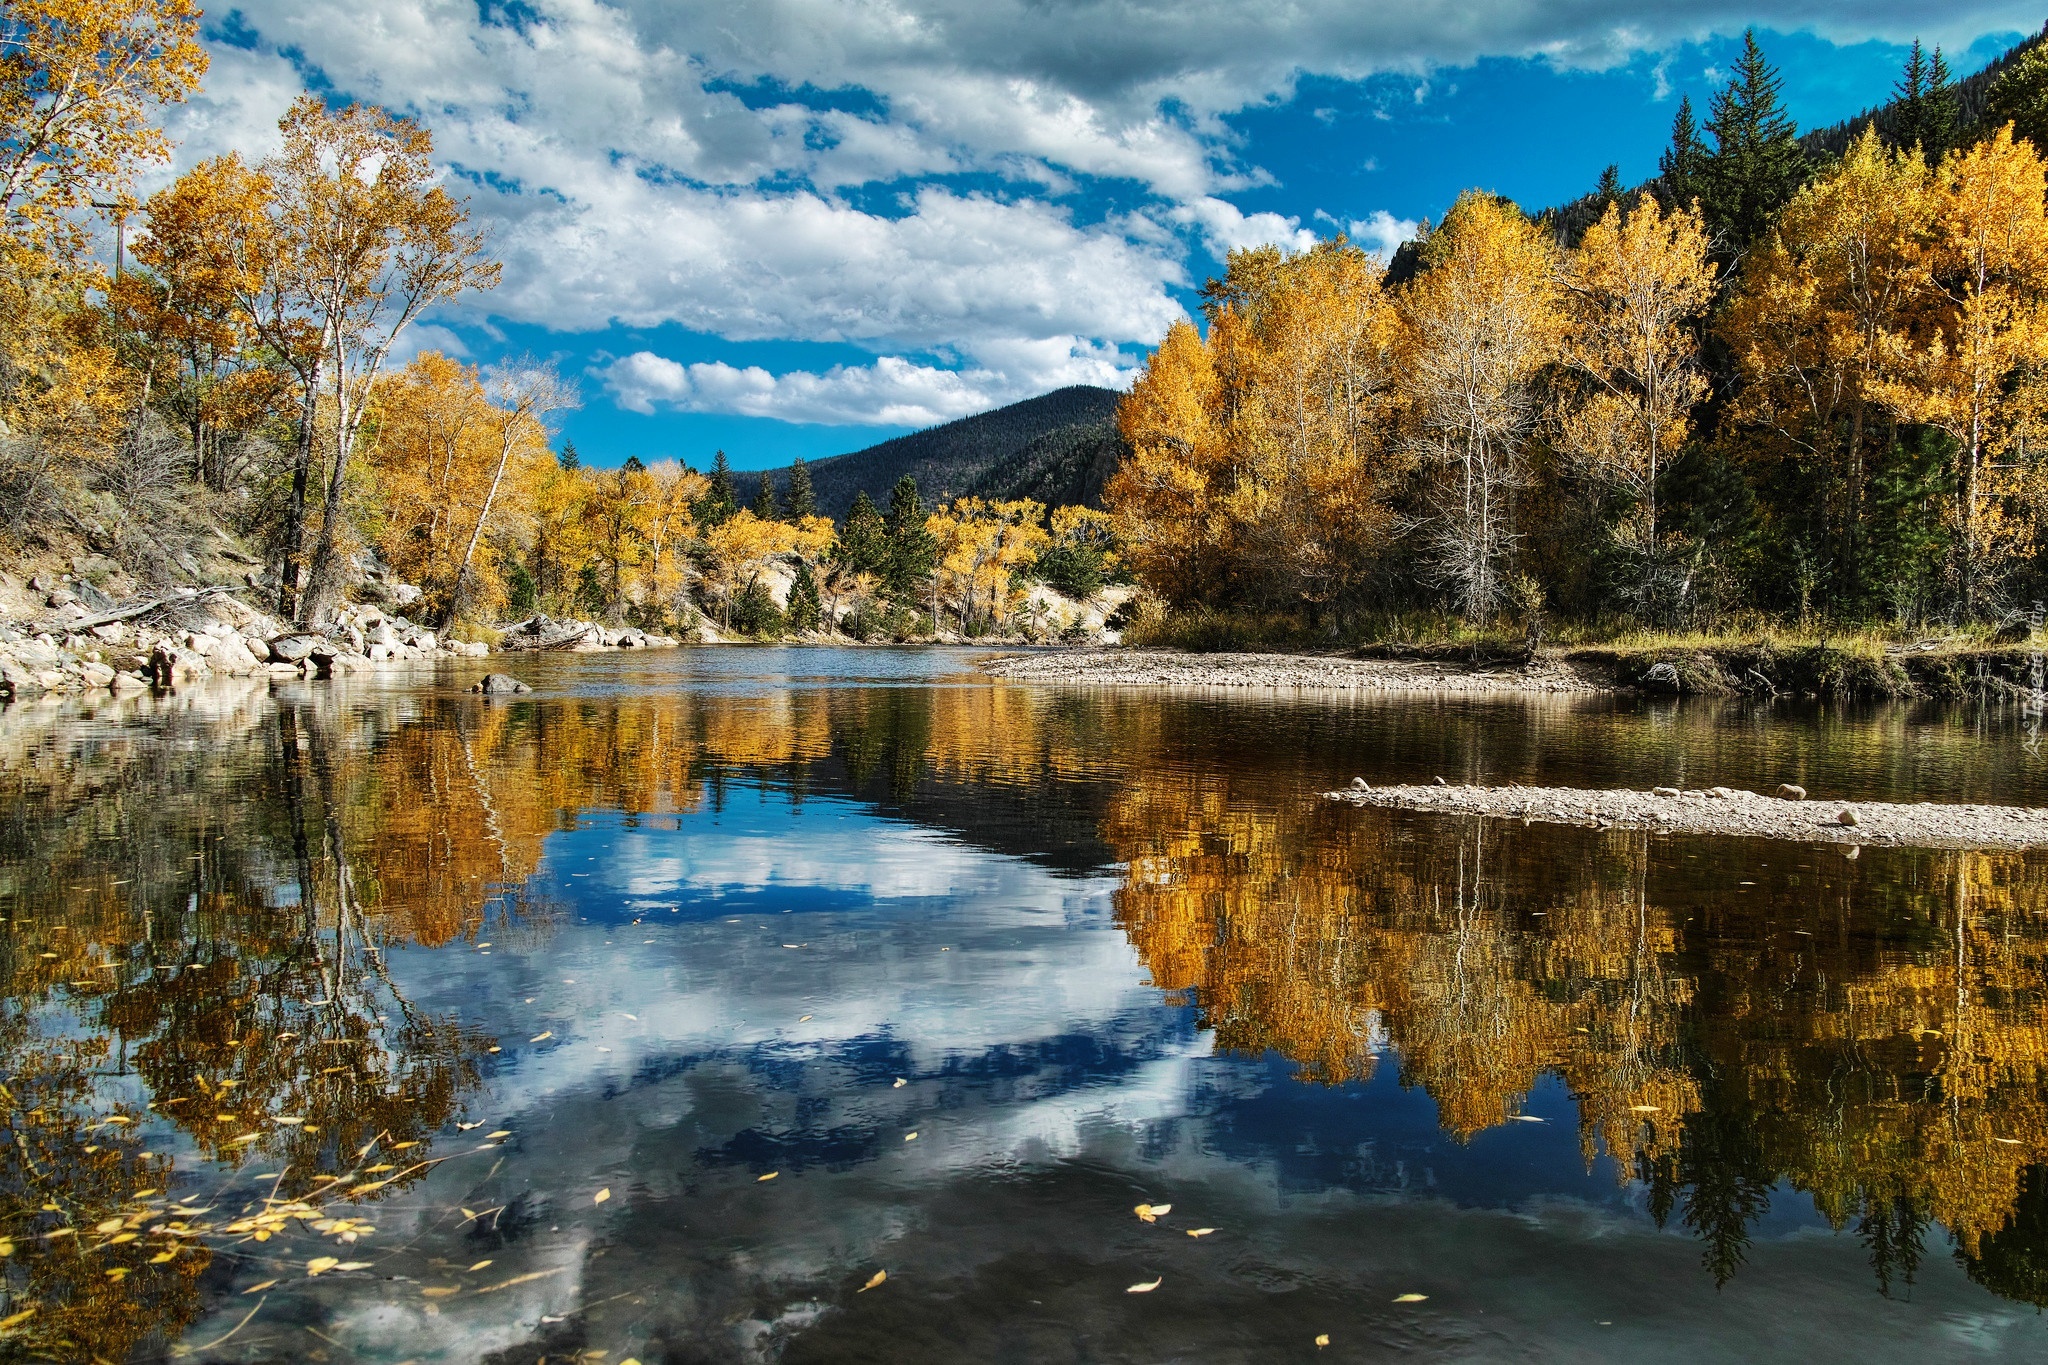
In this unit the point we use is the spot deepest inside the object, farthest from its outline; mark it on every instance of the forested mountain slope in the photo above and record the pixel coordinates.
(964, 455)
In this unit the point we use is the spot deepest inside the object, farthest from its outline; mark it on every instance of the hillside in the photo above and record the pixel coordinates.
(962, 456)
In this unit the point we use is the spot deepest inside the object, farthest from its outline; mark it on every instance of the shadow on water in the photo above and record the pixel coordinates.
(398, 979)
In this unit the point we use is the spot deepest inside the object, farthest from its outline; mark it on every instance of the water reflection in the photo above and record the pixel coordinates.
(400, 978)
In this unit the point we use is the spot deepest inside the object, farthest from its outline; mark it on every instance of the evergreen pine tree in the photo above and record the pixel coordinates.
(1924, 108)
(719, 500)
(805, 610)
(2020, 97)
(803, 502)
(1609, 189)
(1680, 164)
(1757, 164)
(911, 549)
(864, 541)
(567, 457)
(764, 499)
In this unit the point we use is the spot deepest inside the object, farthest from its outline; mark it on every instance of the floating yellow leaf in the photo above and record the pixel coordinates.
(900, 1083)
(910, 1136)
(120, 1237)
(143, 1194)
(437, 1291)
(468, 1215)
(543, 1035)
(1410, 1298)
(353, 1265)
(322, 1263)
(804, 1019)
(161, 1257)
(14, 1320)
(602, 1195)
(502, 1132)
(1145, 1288)
(770, 1176)
(877, 1278)
(380, 1166)
(1643, 1108)
(1150, 1212)
(1200, 1232)
(6, 1247)
(465, 1127)
(259, 1288)
(1322, 1339)
(110, 1225)
(478, 1266)
(288, 1120)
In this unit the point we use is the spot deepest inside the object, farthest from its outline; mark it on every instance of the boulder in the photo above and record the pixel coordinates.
(128, 682)
(494, 684)
(424, 640)
(379, 632)
(233, 656)
(290, 649)
(1791, 791)
(170, 665)
(97, 675)
(17, 679)
(405, 594)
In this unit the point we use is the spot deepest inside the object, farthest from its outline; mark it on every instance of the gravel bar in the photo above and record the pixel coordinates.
(1721, 810)
(1170, 668)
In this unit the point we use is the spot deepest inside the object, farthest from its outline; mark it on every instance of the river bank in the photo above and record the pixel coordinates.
(1722, 810)
(1932, 669)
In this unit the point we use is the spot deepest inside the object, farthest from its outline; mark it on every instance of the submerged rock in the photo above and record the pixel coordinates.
(494, 684)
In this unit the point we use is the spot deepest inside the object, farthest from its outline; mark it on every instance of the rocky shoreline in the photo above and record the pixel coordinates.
(189, 634)
(1722, 810)
(1169, 668)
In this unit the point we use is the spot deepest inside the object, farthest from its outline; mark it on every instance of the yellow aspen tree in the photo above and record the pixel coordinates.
(1974, 372)
(1809, 318)
(980, 546)
(673, 489)
(363, 240)
(614, 506)
(518, 400)
(1633, 289)
(1160, 495)
(737, 551)
(1484, 319)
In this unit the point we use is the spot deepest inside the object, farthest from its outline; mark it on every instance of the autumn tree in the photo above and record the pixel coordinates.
(1633, 290)
(1484, 319)
(1974, 373)
(1808, 325)
(674, 490)
(980, 546)
(615, 505)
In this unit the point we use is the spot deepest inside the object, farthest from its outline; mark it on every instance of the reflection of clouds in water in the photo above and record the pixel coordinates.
(885, 860)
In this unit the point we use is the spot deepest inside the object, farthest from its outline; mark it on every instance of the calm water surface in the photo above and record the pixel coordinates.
(656, 1013)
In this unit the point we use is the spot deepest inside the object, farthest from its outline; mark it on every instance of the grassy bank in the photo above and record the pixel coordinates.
(1754, 658)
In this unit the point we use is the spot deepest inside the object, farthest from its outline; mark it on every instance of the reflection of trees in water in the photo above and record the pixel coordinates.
(1873, 1033)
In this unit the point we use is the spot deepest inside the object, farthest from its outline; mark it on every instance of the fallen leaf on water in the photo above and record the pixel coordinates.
(380, 1166)
(804, 1019)
(1145, 1288)
(259, 1288)
(602, 1195)
(353, 1265)
(478, 1266)
(878, 1277)
(1410, 1298)
(12, 1319)
(1150, 1212)
(320, 1263)
(900, 1083)
(143, 1194)
(770, 1176)
(1322, 1339)
(439, 1291)
(1200, 1232)
(502, 1132)
(1644, 1108)
(468, 1215)
(542, 1036)
(110, 1225)
(162, 1256)
(910, 1136)
(288, 1120)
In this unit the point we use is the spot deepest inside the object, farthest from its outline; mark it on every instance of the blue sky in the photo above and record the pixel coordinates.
(797, 227)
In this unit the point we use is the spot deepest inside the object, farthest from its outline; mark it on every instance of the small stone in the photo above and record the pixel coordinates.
(1791, 791)
(1358, 785)
(1720, 793)
(1671, 792)
(1440, 782)
(1847, 817)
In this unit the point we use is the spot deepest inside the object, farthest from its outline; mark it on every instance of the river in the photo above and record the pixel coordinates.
(828, 1005)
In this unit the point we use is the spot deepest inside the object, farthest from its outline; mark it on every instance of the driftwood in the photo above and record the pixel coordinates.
(134, 609)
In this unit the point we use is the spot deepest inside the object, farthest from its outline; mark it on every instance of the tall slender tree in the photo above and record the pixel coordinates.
(1681, 162)
(1923, 109)
(864, 545)
(911, 550)
(719, 500)
(764, 499)
(803, 500)
(567, 457)
(1757, 164)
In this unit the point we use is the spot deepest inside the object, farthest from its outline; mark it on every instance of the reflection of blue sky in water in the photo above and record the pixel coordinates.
(1050, 1088)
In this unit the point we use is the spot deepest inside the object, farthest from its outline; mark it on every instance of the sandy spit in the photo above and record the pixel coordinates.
(1720, 810)
(1170, 668)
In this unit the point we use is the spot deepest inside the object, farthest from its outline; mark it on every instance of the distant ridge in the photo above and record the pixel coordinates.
(1053, 444)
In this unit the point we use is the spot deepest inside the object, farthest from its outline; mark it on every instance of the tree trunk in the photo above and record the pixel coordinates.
(295, 505)
(462, 573)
